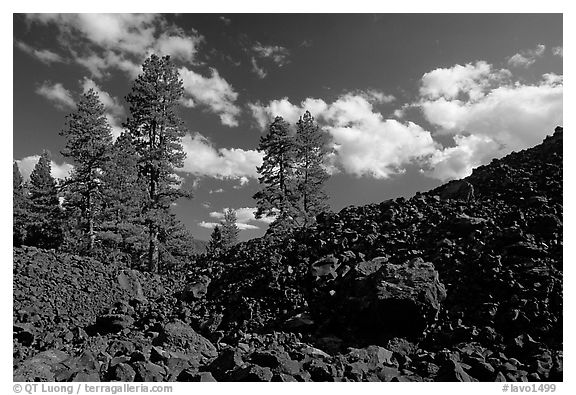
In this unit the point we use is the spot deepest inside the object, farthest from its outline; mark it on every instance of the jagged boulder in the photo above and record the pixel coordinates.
(393, 300)
(179, 337)
(42, 367)
(456, 189)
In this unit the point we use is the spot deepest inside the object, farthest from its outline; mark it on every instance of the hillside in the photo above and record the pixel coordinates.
(461, 283)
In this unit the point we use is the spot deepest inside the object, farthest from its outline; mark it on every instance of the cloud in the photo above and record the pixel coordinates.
(44, 55)
(365, 143)
(458, 161)
(27, 164)
(259, 71)
(488, 114)
(376, 96)
(243, 181)
(99, 65)
(208, 225)
(245, 219)
(101, 42)
(213, 92)
(558, 51)
(132, 33)
(276, 53)
(469, 80)
(219, 190)
(202, 159)
(527, 57)
(179, 46)
(105, 42)
(225, 20)
(500, 116)
(517, 115)
(59, 96)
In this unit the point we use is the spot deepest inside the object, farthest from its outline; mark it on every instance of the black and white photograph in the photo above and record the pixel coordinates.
(286, 197)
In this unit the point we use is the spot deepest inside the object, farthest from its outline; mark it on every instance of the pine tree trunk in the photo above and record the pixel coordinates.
(91, 235)
(153, 250)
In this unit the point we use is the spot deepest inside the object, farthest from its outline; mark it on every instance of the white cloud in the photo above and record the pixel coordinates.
(243, 181)
(179, 46)
(489, 114)
(245, 218)
(526, 58)
(558, 51)
(208, 225)
(213, 92)
(101, 42)
(58, 171)
(366, 144)
(44, 55)
(458, 161)
(494, 121)
(376, 96)
(202, 159)
(57, 94)
(259, 71)
(470, 80)
(276, 53)
(516, 115)
(99, 65)
(219, 190)
(132, 33)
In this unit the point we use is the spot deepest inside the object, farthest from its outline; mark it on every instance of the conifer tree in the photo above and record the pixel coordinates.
(229, 228)
(124, 196)
(311, 149)
(216, 243)
(45, 226)
(157, 132)
(276, 196)
(88, 145)
(19, 206)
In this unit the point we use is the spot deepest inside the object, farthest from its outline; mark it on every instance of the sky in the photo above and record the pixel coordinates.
(409, 101)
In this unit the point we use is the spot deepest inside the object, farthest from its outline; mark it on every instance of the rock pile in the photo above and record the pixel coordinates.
(462, 283)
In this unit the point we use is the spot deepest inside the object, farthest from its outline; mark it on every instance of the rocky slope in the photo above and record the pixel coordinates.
(461, 283)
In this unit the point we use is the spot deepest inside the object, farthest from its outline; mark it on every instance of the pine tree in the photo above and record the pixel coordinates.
(216, 244)
(123, 225)
(45, 226)
(311, 149)
(176, 244)
(88, 144)
(229, 228)
(157, 131)
(276, 197)
(19, 206)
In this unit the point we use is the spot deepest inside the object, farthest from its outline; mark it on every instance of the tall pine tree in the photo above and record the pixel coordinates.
(311, 150)
(125, 193)
(276, 196)
(157, 131)
(19, 206)
(88, 145)
(216, 244)
(45, 226)
(229, 228)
